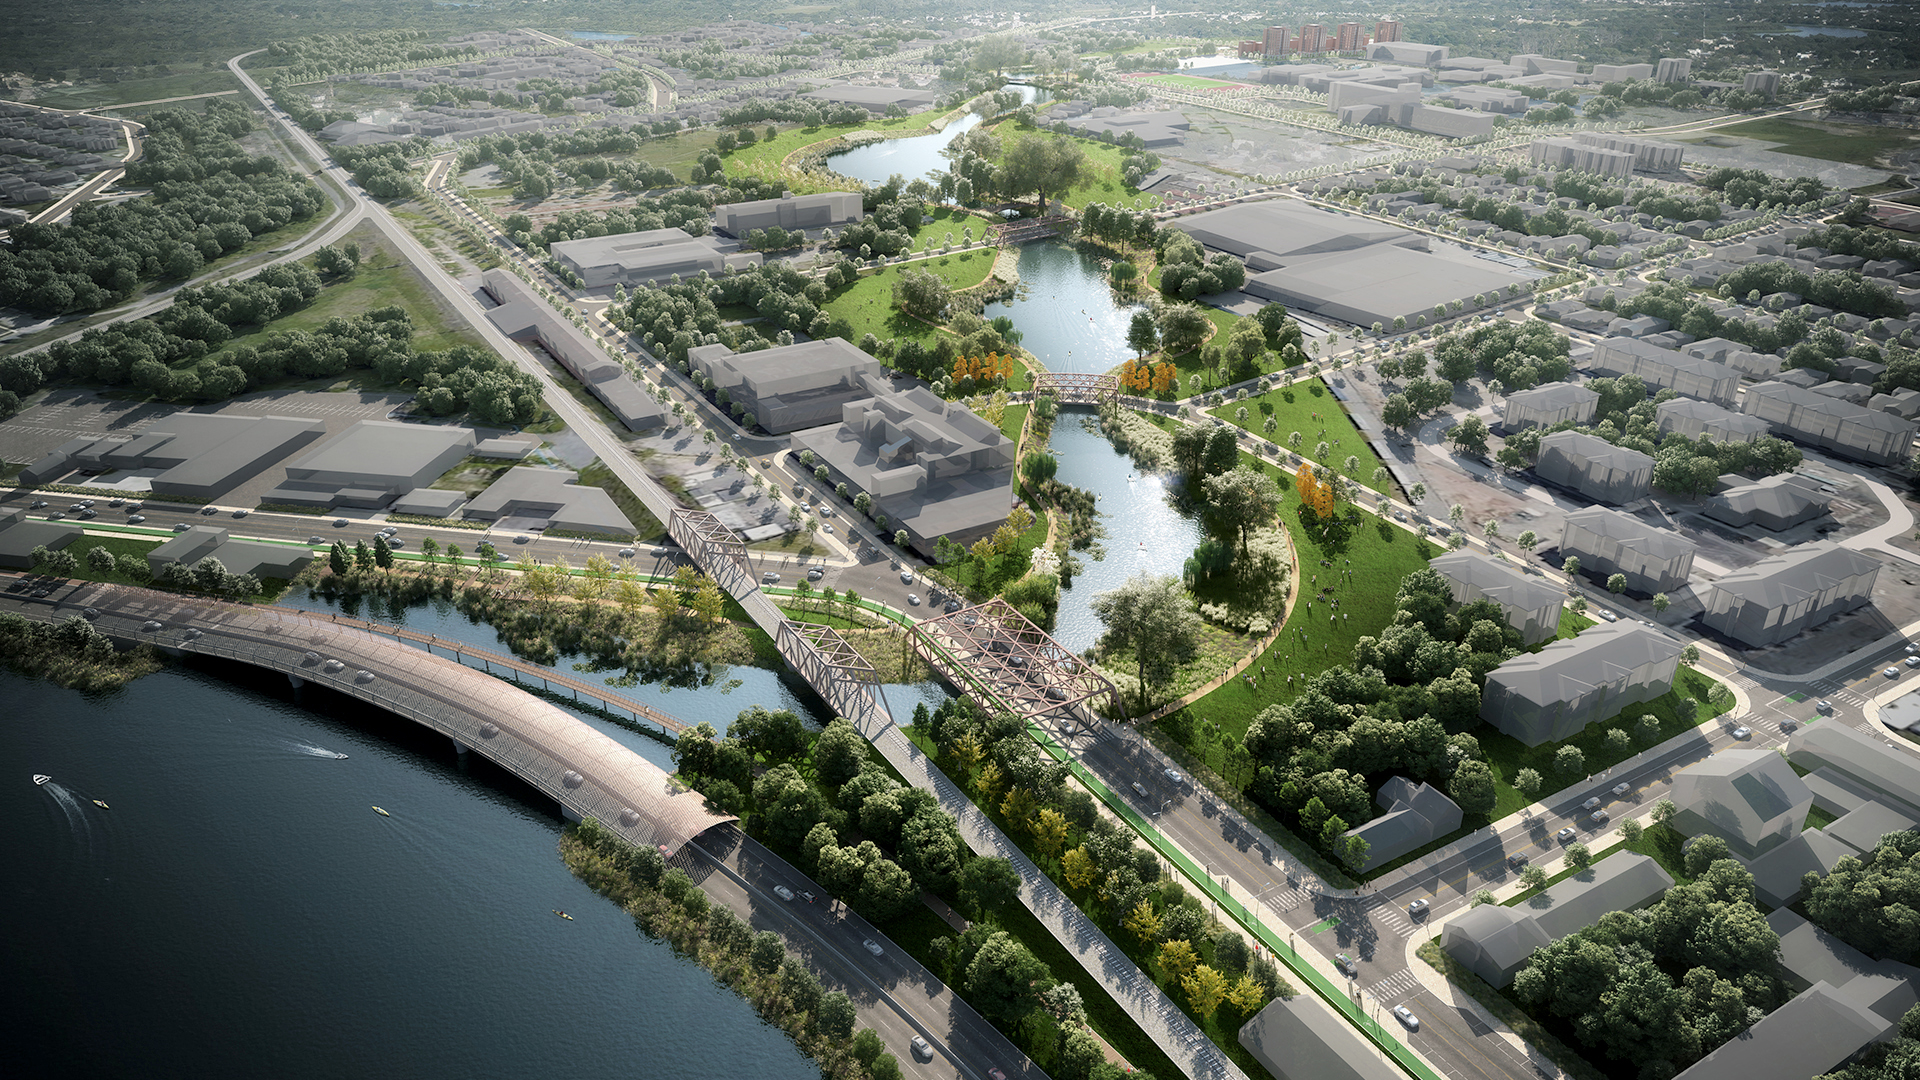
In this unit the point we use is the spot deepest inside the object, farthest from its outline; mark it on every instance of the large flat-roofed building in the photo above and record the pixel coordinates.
(1666, 369)
(1564, 153)
(19, 535)
(656, 255)
(256, 557)
(1673, 69)
(1752, 799)
(1776, 598)
(1594, 467)
(1550, 404)
(1608, 542)
(1552, 694)
(523, 316)
(932, 467)
(1407, 52)
(1338, 267)
(552, 496)
(1647, 154)
(1879, 773)
(790, 212)
(1531, 605)
(1829, 423)
(791, 386)
(1495, 942)
(1776, 502)
(1704, 418)
(190, 455)
(1606, 73)
(371, 462)
(1165, 127)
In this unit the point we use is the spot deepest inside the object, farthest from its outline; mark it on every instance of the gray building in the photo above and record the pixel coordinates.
(1776, 598)
(1777, 875)
(198, 456)
(791, 212)
(257, 557)
(1864, 767)
(1752, 799)
(654, 255)
(1862, 828)
(932, 467)
(1666, 369)
(1829, 423)
(1553, 694)
(1565, 153)
(1647, 154)
(550, 499)
(1608, 542)
(1532, 605)
(1495, 942)
(790, 386)
(523, 316)
(1416, 815)
(1550, 404)
(1302, 1038)
(368, 464)
(1673, 69)
(1777, 502)
(1696, 419)
(1594, 467)
(19, 535)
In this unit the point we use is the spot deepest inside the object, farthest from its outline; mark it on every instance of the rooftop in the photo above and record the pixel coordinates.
(1600, 655)
(1808, 570)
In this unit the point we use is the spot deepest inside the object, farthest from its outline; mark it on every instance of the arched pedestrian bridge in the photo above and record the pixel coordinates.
(586, 772)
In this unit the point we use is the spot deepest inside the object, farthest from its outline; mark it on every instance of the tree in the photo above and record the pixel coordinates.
(100, 560)
(1617, 584)
(1206, 989)
(1152, 617)
(1571, 566)
(1472, 787)
(1703, 851)
(1469, 436)
(1647, 728)
(1143, 335)
(1533, 878)
(1663, 811)
(1143, 922)
(1569, 760)
(1526, 540)
(1690, 655)
(1456, 514)
(382, 552)
(337, 558)
(1661, 602)
(1041, 163)
(988, 884)
(836, 1017)
(1177, 958)
(767, 952)
(1001, 976)
(1630, 831)
(1527, 782)
(1578, 855)
(1242, 500)
(839, 752)
(1049, 830)
(1079, 868)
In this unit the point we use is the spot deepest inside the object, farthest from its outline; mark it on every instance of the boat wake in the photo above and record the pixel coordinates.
(74, 810)
(312, 751)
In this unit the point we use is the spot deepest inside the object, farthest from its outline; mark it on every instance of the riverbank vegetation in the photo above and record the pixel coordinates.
(72, 653)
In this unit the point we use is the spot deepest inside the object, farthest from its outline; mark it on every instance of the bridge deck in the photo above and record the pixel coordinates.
(585, 771)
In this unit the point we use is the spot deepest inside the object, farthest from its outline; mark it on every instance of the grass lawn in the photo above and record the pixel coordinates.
(1012, 419)
(646, 527)
(270, 588)
(868, 302)
(1100, 178)
(1854, 143)
(764, 158)
(1508, 755)
(102, 95)
(1295, 409)
(1188, 82)
(678, 153)
(1571, 623)
(1662, 844)
(984, 580)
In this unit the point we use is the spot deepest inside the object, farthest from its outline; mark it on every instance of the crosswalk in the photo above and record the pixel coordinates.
(1389, 917)
(1288, 899)
(1833, 691)
(1397, 985)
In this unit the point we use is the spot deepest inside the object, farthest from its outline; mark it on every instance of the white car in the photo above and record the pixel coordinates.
(828, 528)
(1174, 775)
(1892, 673)
(913, 599)
(1743, 732)
(783, 892)
(826, 511)
(872, 946)
(1139, 789)
(922, 1049)
(1913, 661)
(1405, 1016)
(906, 577)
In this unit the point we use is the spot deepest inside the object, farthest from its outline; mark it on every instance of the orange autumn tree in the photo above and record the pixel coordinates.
(1314, 492)
(991, 368)
(1142, 377)
(1166, 379)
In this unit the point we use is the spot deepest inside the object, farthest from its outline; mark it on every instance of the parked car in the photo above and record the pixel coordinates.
(1345, 963)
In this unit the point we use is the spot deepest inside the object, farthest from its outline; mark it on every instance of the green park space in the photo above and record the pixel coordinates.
(1857, 144)
(765, 157)
(1101, 179)
(868, 303)
(1308, 408)
(1189, 82)
(102, 95)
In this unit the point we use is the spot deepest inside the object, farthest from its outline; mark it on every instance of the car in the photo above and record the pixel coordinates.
(952, 606)
(1345, 963)
(1517, 860)
(1605, 614)
(769, 578)
(136, 519)
(1590, 803)
(1399, 515)
(627, 553)
(1823, 706)
(1599, 817)
(1742, 732)
(1913, 661)
(872, 946)
(1139, 789)
(88, 513)
(906, 577)
(1621, 789)
(1405, 1016)
(807, 896)
(828, 529)
(92, 613)
(38, 504)
(240, 513)
(921, 1048)
(523, 539)
(783, 892)
(57, 515)
(996, 1074)
(816, 574)
(1417, 908)
(209, 511)
(117, 502)
(1892, 673)
(826, 511)
(1565, 834)
(913, 599)
(180, 527)
(1174, 775)
(396, 543)
(315, 540)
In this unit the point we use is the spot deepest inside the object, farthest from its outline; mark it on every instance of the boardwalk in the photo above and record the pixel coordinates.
(585, 771)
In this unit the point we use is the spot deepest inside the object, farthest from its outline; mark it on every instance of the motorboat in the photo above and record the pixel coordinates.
(381, 812)
(563, 914)
(101, 805)
(40, 779)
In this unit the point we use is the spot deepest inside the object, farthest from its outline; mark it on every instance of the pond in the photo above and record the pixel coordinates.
(1066, 311)
(915, 156)
(1145, 534)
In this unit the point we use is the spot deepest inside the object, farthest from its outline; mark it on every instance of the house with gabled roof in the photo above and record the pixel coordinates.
(1495, 942)
(1776, 598)
(1554, 693)
(1752, 799)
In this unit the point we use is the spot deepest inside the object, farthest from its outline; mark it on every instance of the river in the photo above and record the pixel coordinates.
(240, 909)
(914, 156)
(1066, 312)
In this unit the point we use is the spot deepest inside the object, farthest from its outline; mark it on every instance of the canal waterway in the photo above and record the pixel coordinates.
(1066, 311)
(241, 910)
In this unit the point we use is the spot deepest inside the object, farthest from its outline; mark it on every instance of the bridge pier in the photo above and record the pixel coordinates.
(569, 814)
(460, 748)
(296, 680)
